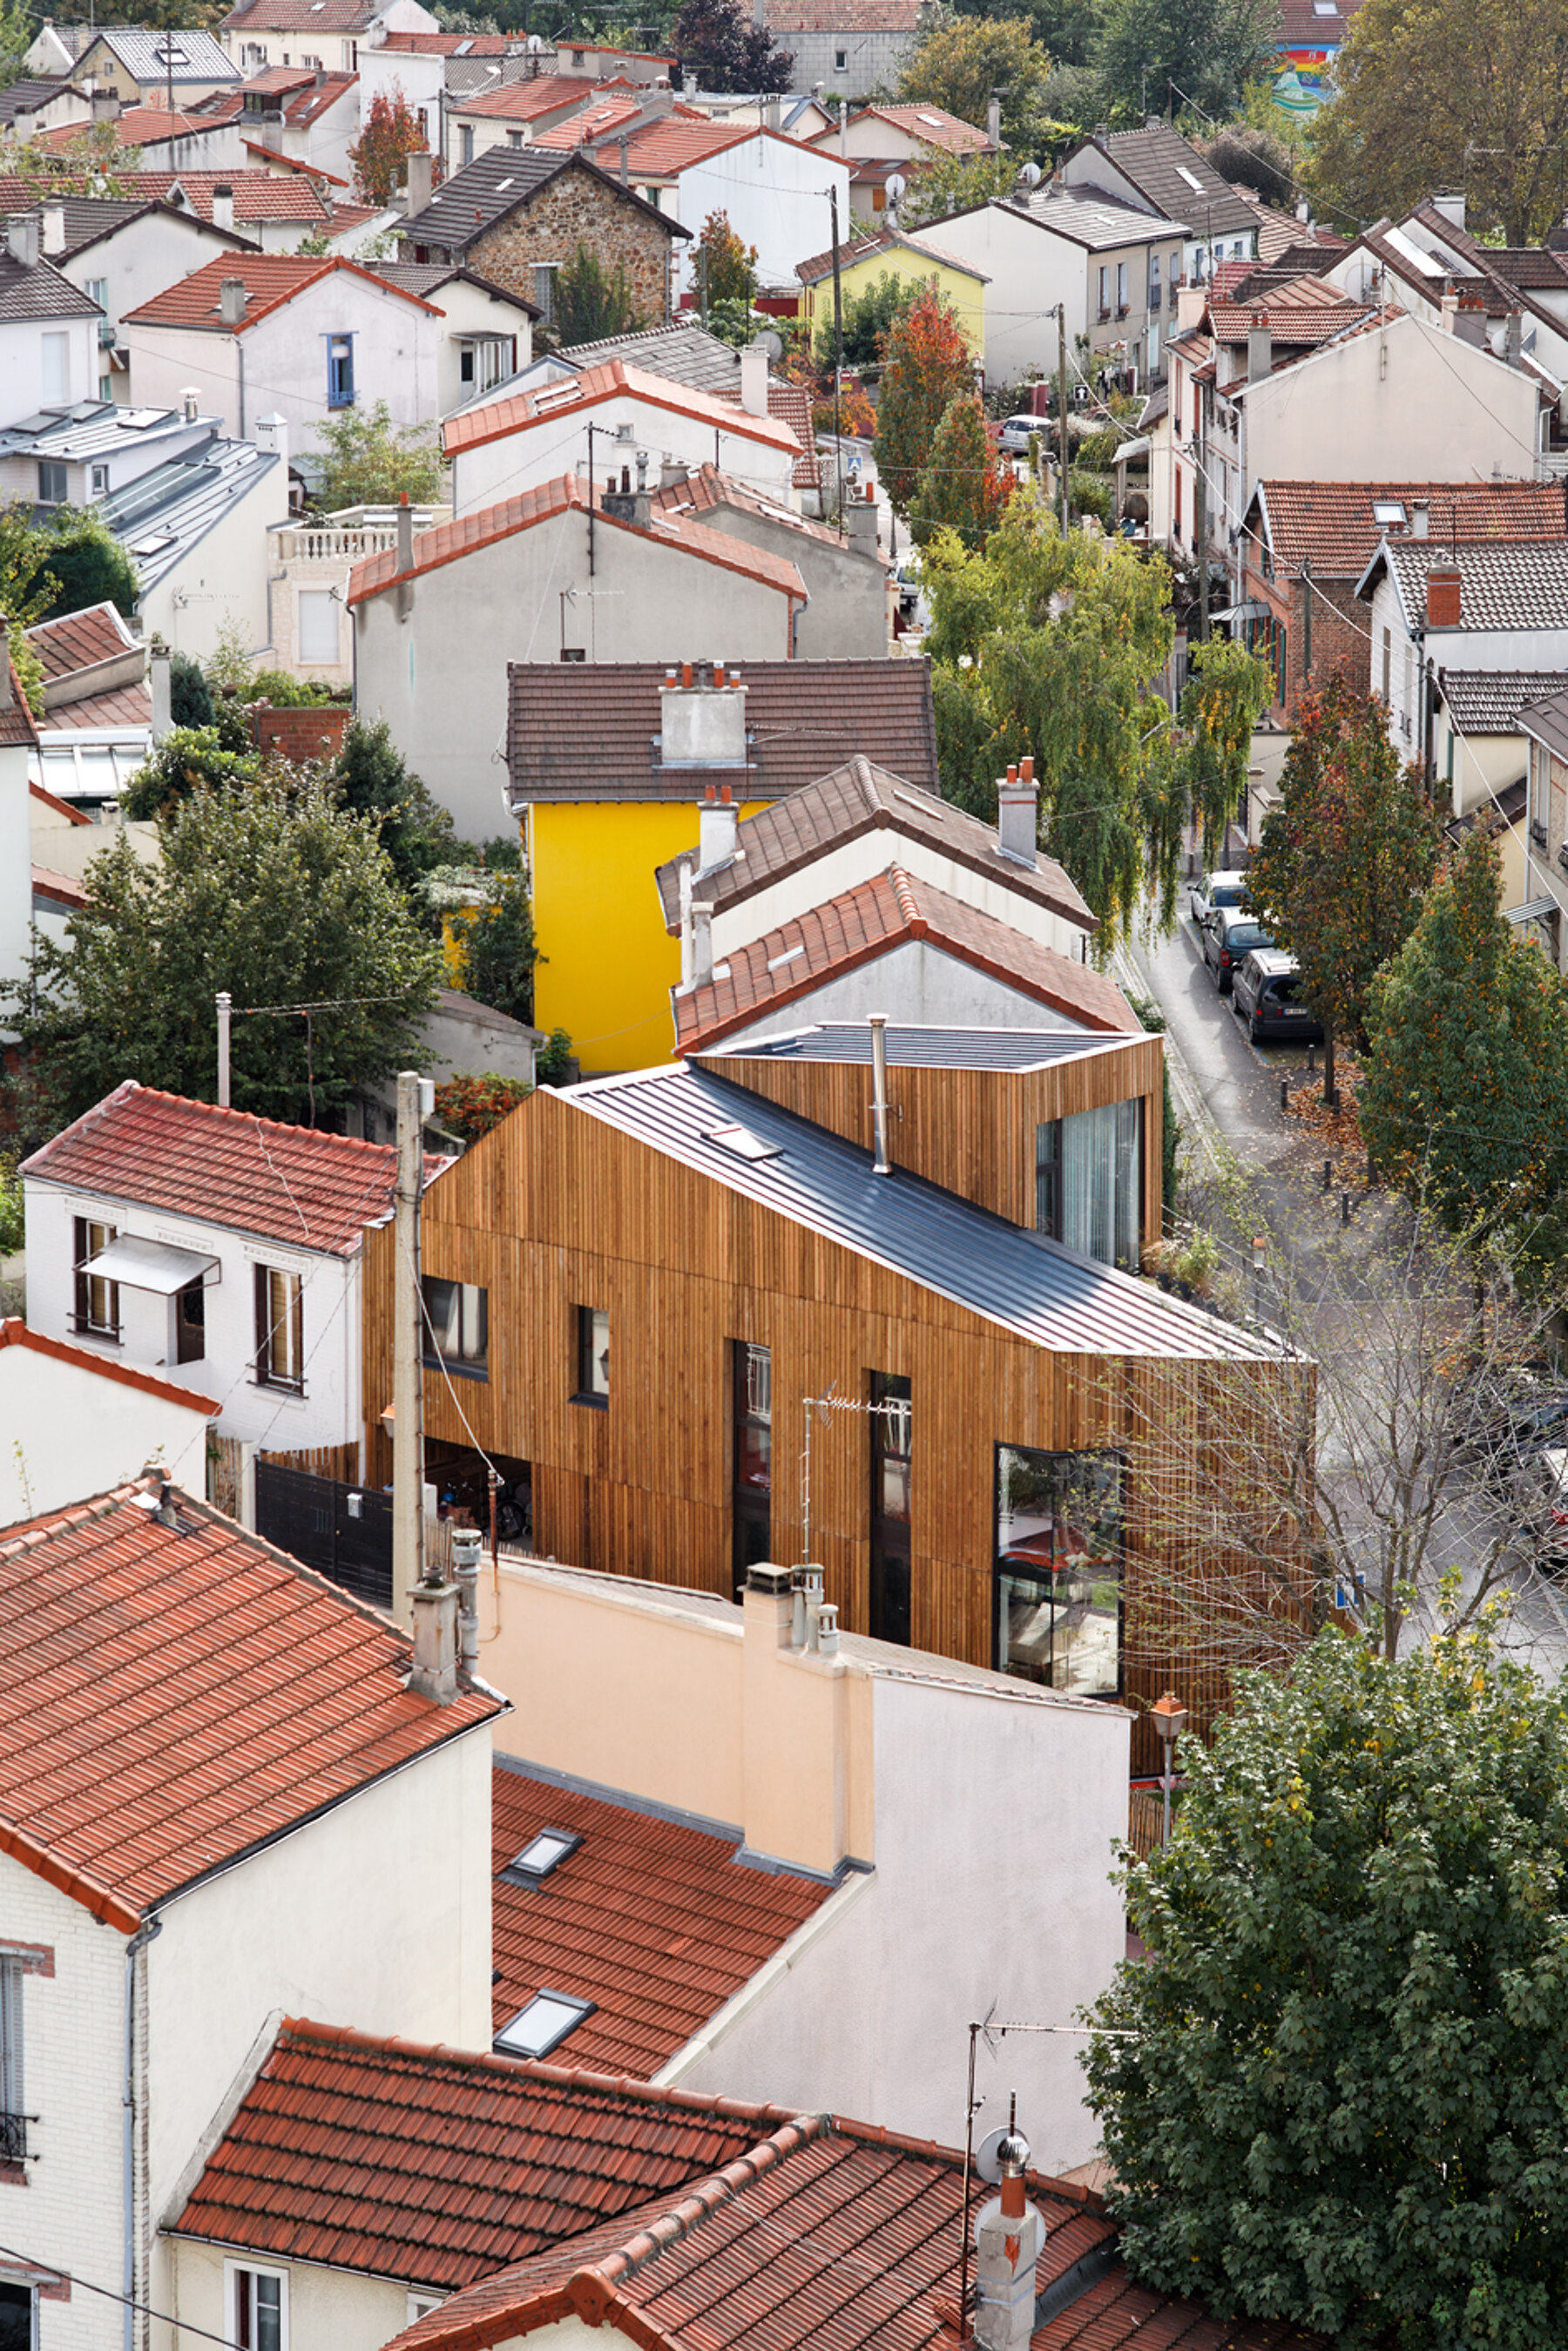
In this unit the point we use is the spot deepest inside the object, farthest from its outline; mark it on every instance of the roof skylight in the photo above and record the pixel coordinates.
(543, 2025)
(543, 1852)
(1390, 512)
(743, 1142)
(1190, 177)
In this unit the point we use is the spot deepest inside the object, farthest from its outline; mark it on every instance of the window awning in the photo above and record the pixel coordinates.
(1534, 910)
(157, 1266)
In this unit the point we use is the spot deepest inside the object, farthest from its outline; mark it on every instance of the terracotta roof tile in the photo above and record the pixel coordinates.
(16, 721)
(62, 889)
(1292, 323)
(857, 799)
(165, 1724)
(14, 1332)
(488, 525)
(862, 923)
(117, 706)
(1331, 522)
(604, 115)
(584, 732)
(259, 195)
(654, 1921)
(293, 1183)
(302, 17)
(473, 428)
(527, 101)
(434, 2167)
(786, 16)
(706, 490)
(663, 149)
(790, 403)
(932, 125)
(271, 279)
(80, 640)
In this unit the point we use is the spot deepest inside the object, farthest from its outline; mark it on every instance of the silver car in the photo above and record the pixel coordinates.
(1224, 887)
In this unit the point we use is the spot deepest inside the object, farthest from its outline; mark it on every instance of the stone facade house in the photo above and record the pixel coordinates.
(515, 215)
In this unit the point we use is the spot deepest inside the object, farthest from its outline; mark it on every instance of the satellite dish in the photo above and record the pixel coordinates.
(771, 343)
(895, 187)
(987, 2154)
(1031, 175)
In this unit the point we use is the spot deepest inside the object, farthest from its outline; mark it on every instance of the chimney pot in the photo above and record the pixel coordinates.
(434, 1674)
(703, 725)
(223, 205)
(1445, 599)
(420, 180)
(754, 380)
(54, 227)
(22, 238)
(1259, 350)
(1018, 814)
(159, 684)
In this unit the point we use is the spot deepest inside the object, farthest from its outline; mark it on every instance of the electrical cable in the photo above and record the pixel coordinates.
(183, 2325)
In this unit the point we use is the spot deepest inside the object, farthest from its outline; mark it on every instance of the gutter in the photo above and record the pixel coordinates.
(150, 1927)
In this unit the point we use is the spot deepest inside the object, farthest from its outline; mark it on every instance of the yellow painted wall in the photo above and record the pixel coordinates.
(967, 294)
(607, 964)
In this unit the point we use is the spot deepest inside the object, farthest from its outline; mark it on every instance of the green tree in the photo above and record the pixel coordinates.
(727, 262)
(88, 162)
(941, 185)
(1166, 56)
(720, 49)
(961, 60)
(189, 696)
(371, 782)
(391, 133)
(1055, 646)
(1333, 2092)
(276, 893)
(965, 486)
(17, 34)
(867, 318)
(186, 759)
(1465, 1096)
(1251, 158)
(928, 365)
(591, 303)
(85, 562)
(498, 948)
(1345, 856)
(1426, 93)
(468, 1107)
(368, 461)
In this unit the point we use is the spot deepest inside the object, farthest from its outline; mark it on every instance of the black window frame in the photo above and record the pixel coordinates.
(517, 1872)
(750, 1503)
(82, 1323)
(1047, 1166)
(286, 1383)
(435, 1357)
(583, 1319)
(891, 1545)
(1114, 1456)
(13, 2116)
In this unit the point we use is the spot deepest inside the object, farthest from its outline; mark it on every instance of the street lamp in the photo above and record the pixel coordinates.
(1170, 1720)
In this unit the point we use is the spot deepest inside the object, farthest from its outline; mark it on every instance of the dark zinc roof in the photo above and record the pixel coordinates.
(39, 293)
(1036, 1289)
(930, 1047)
(1156, 161)
(493, 184)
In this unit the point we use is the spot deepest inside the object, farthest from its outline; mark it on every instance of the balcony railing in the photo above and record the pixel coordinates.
(13, 2137)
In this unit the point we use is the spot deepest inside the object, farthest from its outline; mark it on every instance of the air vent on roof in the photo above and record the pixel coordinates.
(742, 1142)
(543, 2025)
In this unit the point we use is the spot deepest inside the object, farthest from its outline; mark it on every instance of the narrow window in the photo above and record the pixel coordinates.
(13, 2102)
(260, 2309)
(1059, 1569)
(318, 611)
(191, 1323)
(340, 370)
(1104, 290)
(1153, 281)
(1121, 289)
(1048, 1177)
(457, 1326)
(1177, 516)
(1387, 665)
(279, 1329)
(752, 1494)
(592, 1356)
(890, 1507)
(841, 60)
(465, 143)
(1099, 1185)
(99, 481)
(513, 137)
(97, 1301)
(52, 483)
(466, 364)
(18, 2318)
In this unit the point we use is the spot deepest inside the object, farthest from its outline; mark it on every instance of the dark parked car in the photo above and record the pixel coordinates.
(1265, 993)
(1228, 936)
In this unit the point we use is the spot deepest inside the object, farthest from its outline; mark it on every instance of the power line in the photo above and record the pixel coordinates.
(145, 2308)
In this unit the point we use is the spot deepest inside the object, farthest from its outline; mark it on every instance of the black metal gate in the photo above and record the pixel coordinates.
(344, 1531)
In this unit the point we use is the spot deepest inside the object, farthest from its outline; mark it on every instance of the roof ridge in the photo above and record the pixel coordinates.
(904, 891)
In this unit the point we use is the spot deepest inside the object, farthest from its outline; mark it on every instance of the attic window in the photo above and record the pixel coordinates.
(543, 1852)
(1389, 513)
(741, 1141)
(776, 962)
(935, 119)
(543, 2025)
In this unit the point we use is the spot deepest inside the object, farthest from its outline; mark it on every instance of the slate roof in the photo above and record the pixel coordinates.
(29, 95)
(1095, 221)
(496, 183)
(1529, 265)
(423, 277)
(293, 1183)
(548, 403)
(160, 518)
(1517, 584)
(863, 923)
(586, 731)
(836, 2236)
(200, 57)
(164, 1725)
(1488, 702)
(652, 1917)
(487, 525)
(1154, 159)
(1018, 1280)
(856, 799)
(14, 1331)
(683, 353)
(434, 2167)
(80, 640)
(1548, 722)
(90, 218)
(39, 293)
(271, 280)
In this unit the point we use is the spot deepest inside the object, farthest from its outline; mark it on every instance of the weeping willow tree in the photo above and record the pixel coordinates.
(1056, 646)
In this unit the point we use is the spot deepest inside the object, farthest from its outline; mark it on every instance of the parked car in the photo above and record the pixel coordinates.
(1545, 1509)
(1228, 935)
(1265, 993)
(1018, 434)
(1225, 888)
(1531, 1420)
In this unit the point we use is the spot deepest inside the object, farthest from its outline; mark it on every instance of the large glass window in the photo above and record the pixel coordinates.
(1089, 1181)
(592, 1356)
(260, 2315)
(890, 1498)
(97, 1301)
(1059, 1569)
(752, 1489)
(457, 1326)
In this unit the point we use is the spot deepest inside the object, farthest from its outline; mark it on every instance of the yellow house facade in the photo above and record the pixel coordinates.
(892, 252)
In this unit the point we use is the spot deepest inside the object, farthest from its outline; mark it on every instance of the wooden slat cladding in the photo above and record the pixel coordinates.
(556, 1209)
(971, 1131)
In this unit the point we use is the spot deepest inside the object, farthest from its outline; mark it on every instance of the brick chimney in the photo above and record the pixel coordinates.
(1017, 813)
(1009, 2236)
(718, 824)
(702, 725)
(1444, 597)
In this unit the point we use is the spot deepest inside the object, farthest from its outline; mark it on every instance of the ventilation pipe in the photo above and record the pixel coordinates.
(882, 1166)
(466, 1543)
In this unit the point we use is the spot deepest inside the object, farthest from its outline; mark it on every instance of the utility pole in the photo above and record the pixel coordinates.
(1306, 620)
(838, 360)
(408, 1385)
(1062, 406)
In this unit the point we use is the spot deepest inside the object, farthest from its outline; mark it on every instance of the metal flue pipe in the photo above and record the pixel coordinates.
(883, 1165)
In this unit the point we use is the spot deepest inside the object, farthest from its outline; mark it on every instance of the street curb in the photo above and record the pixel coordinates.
(1196, 1116)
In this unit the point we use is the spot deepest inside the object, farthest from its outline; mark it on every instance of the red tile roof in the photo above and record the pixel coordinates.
(489, 525)
(62, 889)
(527, 101)
(653, 1920)
(259, 195)
(190, 1694)
(606, 114)
(117, 706)
(60, 808)
(790, 403)
(14, 1332)
(271, 279)
(435, 2167)
(829, 2236)
(862, 923)
(670, 146)
(292, 1184)
(1289, 322)
(1331, 522)
(138, 126)
(80, 640)
(272, 161)
(472, 428)
(932, 125)
(16, 721)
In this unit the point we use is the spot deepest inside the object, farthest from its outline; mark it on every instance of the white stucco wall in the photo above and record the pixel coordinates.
(328, 2310)
(68, 2217)
(22, 389)
(914, 981)
(328, 1413)
(995, 1818)
(439, 678)
(150, 253)
(558, 444)
(469, 310)
(776, 194)
(221, 584)
(69, 1434)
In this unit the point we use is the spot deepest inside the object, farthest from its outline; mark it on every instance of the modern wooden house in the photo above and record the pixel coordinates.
(683, 1306)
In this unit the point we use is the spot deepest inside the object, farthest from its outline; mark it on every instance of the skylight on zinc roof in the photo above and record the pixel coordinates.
(740, 1139)
(543, 2025)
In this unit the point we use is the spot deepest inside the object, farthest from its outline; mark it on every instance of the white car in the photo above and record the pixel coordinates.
(1211, 891)
(1018, 433)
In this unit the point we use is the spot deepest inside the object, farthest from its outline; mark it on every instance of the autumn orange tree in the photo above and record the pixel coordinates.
(928, 366)
(393, 133)
(965, 486)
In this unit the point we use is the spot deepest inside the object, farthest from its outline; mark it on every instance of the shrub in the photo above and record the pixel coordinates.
(469, 1107)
